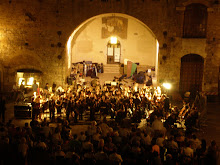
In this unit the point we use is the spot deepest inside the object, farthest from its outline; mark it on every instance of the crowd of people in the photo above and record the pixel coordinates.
(166, 137)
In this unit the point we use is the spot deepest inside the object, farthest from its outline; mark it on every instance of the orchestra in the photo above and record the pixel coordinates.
(117, 101)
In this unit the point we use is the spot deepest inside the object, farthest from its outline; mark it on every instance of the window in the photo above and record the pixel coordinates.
(195, 21)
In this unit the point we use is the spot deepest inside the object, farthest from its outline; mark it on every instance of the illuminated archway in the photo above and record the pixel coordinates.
(138, 43)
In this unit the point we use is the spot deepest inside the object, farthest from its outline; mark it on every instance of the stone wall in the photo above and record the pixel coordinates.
(33, 34)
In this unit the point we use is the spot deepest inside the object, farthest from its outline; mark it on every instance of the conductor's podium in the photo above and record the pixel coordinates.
(23, 111)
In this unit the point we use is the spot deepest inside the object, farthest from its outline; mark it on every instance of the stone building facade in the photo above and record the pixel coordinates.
(34, 36)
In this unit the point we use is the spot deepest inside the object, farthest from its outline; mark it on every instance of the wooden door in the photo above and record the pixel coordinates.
(191, 74)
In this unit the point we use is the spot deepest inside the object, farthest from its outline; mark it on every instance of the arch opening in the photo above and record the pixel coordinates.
(28, 76)
(138, 43)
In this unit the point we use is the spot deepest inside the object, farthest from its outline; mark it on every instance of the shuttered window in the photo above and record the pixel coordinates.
(195, 21)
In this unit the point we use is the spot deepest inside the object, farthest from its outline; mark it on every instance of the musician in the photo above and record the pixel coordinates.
(136, 101)
(191, 118)
(45, 105)
(144, 101)
(103, 107)
(81, 108)
(137, 115)
(52, 105)
(120, 114)
(68, 108)
(59, 105)
(184, 109)
(35, 107)
(91, 105)
(166, 104)
(170, 121)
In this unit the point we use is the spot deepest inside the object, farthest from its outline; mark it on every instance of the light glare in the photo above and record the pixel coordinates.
(30, 81)
(167, 85)
(113, 40)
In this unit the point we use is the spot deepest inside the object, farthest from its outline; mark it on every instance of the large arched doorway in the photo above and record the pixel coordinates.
(191, 74)
(90, 43)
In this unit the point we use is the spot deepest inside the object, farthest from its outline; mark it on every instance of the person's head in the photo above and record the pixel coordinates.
(75, 136)
(194, 136)
(213, 143)
(114, 149)
(188, 144)
(101, 143)
(203, 145)
(23, 140)
(155, 154)
(169, 157)
(59, 148)
(26, 124)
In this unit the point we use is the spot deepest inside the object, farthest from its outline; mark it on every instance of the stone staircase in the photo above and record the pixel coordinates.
(112, 68)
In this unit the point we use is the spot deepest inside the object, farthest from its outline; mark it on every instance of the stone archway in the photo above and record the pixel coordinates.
(138, 43)
(191, 73)
(27, 64)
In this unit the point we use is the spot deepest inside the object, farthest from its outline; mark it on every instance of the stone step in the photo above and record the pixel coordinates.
(111, 68)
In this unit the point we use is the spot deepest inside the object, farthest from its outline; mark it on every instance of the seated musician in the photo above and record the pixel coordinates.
(184, 109)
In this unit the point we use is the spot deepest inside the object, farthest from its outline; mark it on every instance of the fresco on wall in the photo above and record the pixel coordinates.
(114, 25)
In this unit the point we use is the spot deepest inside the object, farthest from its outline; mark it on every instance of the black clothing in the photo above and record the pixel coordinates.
(2, 109)
(52, 108)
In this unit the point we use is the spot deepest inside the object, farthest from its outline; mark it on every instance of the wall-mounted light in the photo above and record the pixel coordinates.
(167, 85)
(113, 40)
